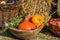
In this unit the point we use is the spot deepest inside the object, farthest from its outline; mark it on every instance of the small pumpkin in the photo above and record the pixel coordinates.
(26, 24)
(58, 23)
(38, 19)
(54, 26)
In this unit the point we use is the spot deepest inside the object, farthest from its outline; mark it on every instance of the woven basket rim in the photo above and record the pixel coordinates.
(15, 29)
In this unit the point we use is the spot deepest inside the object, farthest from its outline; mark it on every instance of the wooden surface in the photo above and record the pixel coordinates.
(45, 34)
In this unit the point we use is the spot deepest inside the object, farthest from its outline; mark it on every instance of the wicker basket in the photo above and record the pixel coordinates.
(25, 34)
(28, 34)
(8, 11)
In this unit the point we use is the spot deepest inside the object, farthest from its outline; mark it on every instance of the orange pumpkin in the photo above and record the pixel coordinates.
(38, 19)
(26, 24)
(58, 23)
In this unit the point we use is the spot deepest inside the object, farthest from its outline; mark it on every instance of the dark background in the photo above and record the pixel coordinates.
(54, 8)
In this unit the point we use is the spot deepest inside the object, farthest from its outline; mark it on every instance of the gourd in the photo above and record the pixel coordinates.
(38, 20)
(26, 24)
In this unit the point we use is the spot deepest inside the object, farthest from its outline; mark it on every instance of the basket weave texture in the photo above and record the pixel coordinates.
(8, 11)
(31, 7)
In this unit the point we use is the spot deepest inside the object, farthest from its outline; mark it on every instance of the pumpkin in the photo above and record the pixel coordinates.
(58, 23)
(54, 26)
(38, 19)
(26, 24)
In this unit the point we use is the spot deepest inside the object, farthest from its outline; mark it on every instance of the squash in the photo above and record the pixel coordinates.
(26, 24)
(38, 20)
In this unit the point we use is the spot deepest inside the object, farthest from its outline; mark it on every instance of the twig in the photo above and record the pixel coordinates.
(53, 13)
